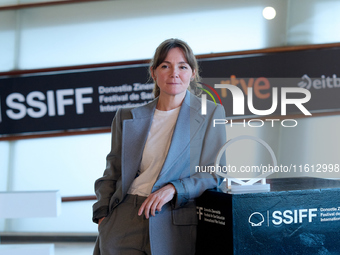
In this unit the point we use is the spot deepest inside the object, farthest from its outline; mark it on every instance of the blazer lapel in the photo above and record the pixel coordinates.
(188, 123)
(135, 134)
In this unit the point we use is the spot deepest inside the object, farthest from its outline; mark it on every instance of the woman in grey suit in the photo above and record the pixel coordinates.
(146, 197)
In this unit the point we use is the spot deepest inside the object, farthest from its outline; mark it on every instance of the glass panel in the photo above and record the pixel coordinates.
(313, 21)
(4, 164)
(111, 31)
(326, 23)
(8, 2)
(70, 164)
(7, 40)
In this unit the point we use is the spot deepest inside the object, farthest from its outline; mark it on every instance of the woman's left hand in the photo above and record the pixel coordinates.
(156, 200)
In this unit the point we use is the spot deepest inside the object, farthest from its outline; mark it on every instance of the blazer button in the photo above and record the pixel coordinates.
(117, 201)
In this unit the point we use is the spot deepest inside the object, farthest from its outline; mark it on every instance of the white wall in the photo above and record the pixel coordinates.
(68, 164)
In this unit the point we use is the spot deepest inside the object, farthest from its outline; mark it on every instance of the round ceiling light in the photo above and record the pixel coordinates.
(269, 13)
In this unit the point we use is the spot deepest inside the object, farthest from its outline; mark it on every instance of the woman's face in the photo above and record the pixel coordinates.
(173, 75)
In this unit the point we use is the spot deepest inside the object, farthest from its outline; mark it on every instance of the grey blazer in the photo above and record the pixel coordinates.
(195, 142)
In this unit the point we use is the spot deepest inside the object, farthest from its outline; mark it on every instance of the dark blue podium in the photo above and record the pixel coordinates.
(298, 216)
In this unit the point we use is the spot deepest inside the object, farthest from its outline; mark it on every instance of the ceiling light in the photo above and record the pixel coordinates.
(269, 13)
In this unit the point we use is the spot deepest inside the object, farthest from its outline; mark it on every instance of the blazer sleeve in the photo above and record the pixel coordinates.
(106, 185)
(214, 138)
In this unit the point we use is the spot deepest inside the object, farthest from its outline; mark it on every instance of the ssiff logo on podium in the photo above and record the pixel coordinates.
(294, 216)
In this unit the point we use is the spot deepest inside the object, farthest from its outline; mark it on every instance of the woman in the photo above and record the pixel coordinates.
(146, 198)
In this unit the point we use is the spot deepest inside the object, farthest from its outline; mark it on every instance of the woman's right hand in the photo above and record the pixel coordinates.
(100, 221)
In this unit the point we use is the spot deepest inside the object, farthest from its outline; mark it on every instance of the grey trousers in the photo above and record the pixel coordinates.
(123, 231)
